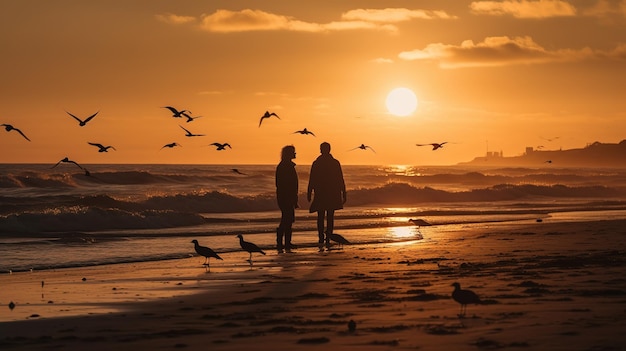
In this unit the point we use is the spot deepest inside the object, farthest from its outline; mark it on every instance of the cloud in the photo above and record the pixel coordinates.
(393, 15)
(606, 8)
(524, 8)
(382, 60)
(175, 19)
(502, 51)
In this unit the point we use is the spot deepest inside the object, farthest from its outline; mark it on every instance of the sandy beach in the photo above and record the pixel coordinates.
(543, 286)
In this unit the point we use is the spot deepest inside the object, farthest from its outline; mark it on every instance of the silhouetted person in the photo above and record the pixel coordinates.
(328, 188)
(287, 197)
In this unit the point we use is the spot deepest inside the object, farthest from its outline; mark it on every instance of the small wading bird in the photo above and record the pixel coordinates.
(363, 147)
(67, 160)
(170, 145)
(434, 145)
(419, 223)
(464, 297)
(80, 121)
(178, 114)
(304, 132)
(267, 114)
(206, 252)
(101, 147)
(9, 128)
(249, 247)
(339, 239)
(190, 134)
(219, 146)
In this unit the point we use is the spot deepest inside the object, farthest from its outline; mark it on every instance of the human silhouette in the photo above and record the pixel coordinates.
(328, 191)
(287, 197)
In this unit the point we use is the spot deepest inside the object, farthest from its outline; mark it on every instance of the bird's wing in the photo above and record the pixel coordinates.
(227, 144)
(174, 111)
(76, 118)
(90, 117)
(188, 132)
(74, 162)
(96, 144)
(57, 164)
(273, 114)
(371, 148)
(19, 131)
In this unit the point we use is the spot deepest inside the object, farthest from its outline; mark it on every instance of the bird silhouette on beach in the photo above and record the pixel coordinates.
(81, 122)
(206, 252)
(339, 239)
(548, 161)
(267, 114)
(9, 128)
(363, 147)
(67, 160)
(219, 146)
(434, 145)
(190, 134)
(249, 247)
(101, 147)
(178, 114)
(304, 132)
(464, 297)
(419, 223)
(170, 145)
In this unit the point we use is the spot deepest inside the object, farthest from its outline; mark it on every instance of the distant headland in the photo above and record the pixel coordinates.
(593, 155)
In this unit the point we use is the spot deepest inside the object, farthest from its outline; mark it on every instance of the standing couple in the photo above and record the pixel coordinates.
(326, 188)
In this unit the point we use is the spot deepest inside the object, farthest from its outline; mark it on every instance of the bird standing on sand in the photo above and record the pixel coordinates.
(67, 160)
(464, 297)
(250, 247)
(267, 114)
(220, 147)
(190, 134)
(206, 252)
(364, 147)
(80, 121)
(170, 145)
(304, 132)
(338, 239)
(434, 145)
(9, 128)
(178, 114)
(102, 147)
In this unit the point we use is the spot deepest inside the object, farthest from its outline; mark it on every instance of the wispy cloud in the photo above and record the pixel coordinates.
(502, 51)
(175, 19)
(524, 8)
(382, 60)
(247, 20)
(606, 8)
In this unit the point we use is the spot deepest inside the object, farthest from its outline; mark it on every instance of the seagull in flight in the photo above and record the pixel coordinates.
(170, 145)
(434, 145)
(9, 128)
(304, 132)
(221, 146)
(102, 147)
(191, 118)
(235, 170)
(267, 114)
(67, 160)
(178, 114)
(550, 139)
(363, 147)
(80, 121)
(190, 134)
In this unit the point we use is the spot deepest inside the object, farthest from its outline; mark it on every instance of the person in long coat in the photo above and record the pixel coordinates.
(327, 189)
(287, 197)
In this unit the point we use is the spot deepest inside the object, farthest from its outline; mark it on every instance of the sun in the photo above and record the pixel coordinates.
(401, 102)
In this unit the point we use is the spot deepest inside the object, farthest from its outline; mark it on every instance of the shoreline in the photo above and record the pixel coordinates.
(563, 292)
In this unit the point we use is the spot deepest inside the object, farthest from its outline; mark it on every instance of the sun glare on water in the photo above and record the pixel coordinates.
(401, 102)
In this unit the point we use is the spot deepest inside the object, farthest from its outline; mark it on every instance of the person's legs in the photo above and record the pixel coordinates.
(330, 225)
(320, 228)
(289, 216)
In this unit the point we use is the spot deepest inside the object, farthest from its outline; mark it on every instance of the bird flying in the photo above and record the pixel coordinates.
(219, 146)
(267, 114)
(101, 147)
(190, 134)
(171, 145)
(9, 128)
(178, 114)
(434, 145)
(235, 170)
(364, 147)
(80, 121)
(67, 160)
(191, 118)
(304, 132)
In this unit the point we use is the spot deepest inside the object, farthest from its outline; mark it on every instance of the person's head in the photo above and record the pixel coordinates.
(288, 152)
(325, 148)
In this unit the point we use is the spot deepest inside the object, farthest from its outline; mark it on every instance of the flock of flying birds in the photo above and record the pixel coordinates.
(188, 115)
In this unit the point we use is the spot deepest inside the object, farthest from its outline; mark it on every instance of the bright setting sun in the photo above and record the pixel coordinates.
(401, 102)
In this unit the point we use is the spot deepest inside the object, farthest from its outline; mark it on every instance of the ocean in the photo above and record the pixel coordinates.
(61, 217)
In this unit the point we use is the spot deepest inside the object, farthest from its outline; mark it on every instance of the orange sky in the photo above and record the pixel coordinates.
(497, 75)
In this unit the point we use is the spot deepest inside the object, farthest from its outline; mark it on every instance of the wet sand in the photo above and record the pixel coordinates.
(543, 286)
